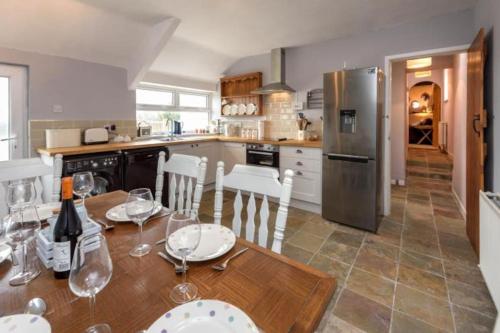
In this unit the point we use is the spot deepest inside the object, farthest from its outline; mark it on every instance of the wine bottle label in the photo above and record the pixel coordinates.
(62, 256)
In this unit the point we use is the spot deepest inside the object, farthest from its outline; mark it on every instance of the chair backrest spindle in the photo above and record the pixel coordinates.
(260, 181)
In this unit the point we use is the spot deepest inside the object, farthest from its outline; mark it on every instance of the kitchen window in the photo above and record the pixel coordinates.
(156, 105)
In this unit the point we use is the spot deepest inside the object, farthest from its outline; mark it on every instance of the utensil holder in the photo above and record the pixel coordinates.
(301, 135)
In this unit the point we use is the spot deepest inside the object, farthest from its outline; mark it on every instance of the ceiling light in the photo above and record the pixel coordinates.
(418, 63)
(423, 74)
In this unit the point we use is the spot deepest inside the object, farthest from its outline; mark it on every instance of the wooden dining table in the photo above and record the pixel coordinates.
(279, 294)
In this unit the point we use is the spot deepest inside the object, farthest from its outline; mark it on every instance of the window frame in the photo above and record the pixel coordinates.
(175, 107)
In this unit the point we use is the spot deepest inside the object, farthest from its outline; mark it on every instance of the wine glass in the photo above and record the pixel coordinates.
(139, 206)
(83, 184)
(182, 238)
(22, 225)
(91, 271)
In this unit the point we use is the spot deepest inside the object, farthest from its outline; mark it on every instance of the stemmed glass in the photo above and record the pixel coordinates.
(83, 184)
(22, 226)
(138, 207)
(182, 238)
(91, 271)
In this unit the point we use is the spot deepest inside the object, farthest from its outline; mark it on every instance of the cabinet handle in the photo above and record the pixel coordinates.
(192, 146)
(300, 163)
(196, 145)
(299, 173)
(299, 151)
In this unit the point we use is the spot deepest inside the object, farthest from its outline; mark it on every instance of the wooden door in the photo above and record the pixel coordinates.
(436, 114)
(476, 122)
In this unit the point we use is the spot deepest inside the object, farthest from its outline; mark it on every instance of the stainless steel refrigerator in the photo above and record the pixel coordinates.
(352, 147)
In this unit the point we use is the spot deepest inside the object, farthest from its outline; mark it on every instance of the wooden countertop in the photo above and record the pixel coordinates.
(279, 294)
(99, 148)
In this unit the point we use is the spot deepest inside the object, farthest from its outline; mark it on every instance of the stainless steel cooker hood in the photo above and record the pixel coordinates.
(277, 75)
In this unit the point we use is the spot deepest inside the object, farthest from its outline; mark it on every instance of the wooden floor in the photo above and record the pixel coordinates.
(417, 274)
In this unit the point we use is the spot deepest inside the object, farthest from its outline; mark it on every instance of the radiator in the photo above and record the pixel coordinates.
(489, 244)
(443, 136)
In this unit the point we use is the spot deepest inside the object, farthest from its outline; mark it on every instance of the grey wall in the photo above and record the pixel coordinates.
(84, 90)
(487, 15)
(306, 64)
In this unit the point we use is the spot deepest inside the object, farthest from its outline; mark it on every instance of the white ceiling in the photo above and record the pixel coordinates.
(212, 34)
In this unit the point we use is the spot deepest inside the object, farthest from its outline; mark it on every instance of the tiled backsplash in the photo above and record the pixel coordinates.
(280, 116)
(37, 129)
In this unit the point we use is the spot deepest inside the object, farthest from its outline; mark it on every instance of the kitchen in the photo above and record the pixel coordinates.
(179, 85)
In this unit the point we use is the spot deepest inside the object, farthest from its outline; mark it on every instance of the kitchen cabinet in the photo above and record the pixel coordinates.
(306, 165)
(233, 153)
(205, 149)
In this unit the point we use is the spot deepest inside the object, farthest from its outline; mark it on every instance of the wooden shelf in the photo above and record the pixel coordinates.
(240, 96)
(237, 90)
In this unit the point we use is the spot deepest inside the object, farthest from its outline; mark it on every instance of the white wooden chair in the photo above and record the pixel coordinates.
(47, 178)
(258, 180)
(179, 168)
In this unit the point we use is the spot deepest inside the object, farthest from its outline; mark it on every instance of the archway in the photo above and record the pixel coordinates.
(424, 114)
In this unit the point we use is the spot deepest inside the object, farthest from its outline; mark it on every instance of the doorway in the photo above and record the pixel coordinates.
(13, 112)
(424, 114)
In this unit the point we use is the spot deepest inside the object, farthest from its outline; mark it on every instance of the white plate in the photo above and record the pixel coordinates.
(234, 109)
(242, 109)
(118, 213)
(24, 323)
(5, 251)
(216, 240)
(45, 211)
(251, 108)
(226, 110)
(207, 316)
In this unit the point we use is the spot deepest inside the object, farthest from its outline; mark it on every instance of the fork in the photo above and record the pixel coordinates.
(223, 265)
(178, 268)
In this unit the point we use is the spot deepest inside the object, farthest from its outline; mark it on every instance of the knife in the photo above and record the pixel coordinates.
(105, 225)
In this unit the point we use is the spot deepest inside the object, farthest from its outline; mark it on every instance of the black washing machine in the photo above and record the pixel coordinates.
(105, 167)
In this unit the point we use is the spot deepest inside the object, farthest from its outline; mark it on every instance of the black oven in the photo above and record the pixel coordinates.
(263, 155)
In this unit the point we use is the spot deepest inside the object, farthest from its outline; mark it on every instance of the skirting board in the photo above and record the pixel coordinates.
(310, 207)
(460, 205)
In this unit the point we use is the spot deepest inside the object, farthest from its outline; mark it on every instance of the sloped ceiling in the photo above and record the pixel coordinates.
(212, 34)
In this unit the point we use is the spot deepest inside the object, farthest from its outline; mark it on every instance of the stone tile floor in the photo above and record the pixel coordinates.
(417, 274)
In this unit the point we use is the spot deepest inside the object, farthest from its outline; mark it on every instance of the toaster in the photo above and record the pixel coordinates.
(95, 135)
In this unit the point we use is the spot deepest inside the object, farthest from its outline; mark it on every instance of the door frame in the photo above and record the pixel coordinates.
(387, 110)
(23, 73)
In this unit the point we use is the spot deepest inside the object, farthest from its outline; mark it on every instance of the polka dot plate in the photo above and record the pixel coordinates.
(24, 323)
(207, 316)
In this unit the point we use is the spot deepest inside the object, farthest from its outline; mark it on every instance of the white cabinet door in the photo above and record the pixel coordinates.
(180, 149)
(306, 186)
(201, 150)
(207, 150)
(234, 153)
(306, 165)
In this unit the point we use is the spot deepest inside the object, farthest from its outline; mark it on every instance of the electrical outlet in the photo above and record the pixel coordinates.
(298, 106)
(57, 108)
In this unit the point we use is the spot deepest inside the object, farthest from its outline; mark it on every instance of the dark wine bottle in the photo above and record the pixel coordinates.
(66, 232)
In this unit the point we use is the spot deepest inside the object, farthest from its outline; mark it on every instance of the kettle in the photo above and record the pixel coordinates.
(178, 125)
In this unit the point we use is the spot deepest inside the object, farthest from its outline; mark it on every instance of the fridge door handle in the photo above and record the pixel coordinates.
(348, 158)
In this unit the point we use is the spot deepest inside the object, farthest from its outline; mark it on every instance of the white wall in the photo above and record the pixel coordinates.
(487, 15)
(398, 121)
(448, 106)
(85, 90)
(459, 121)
